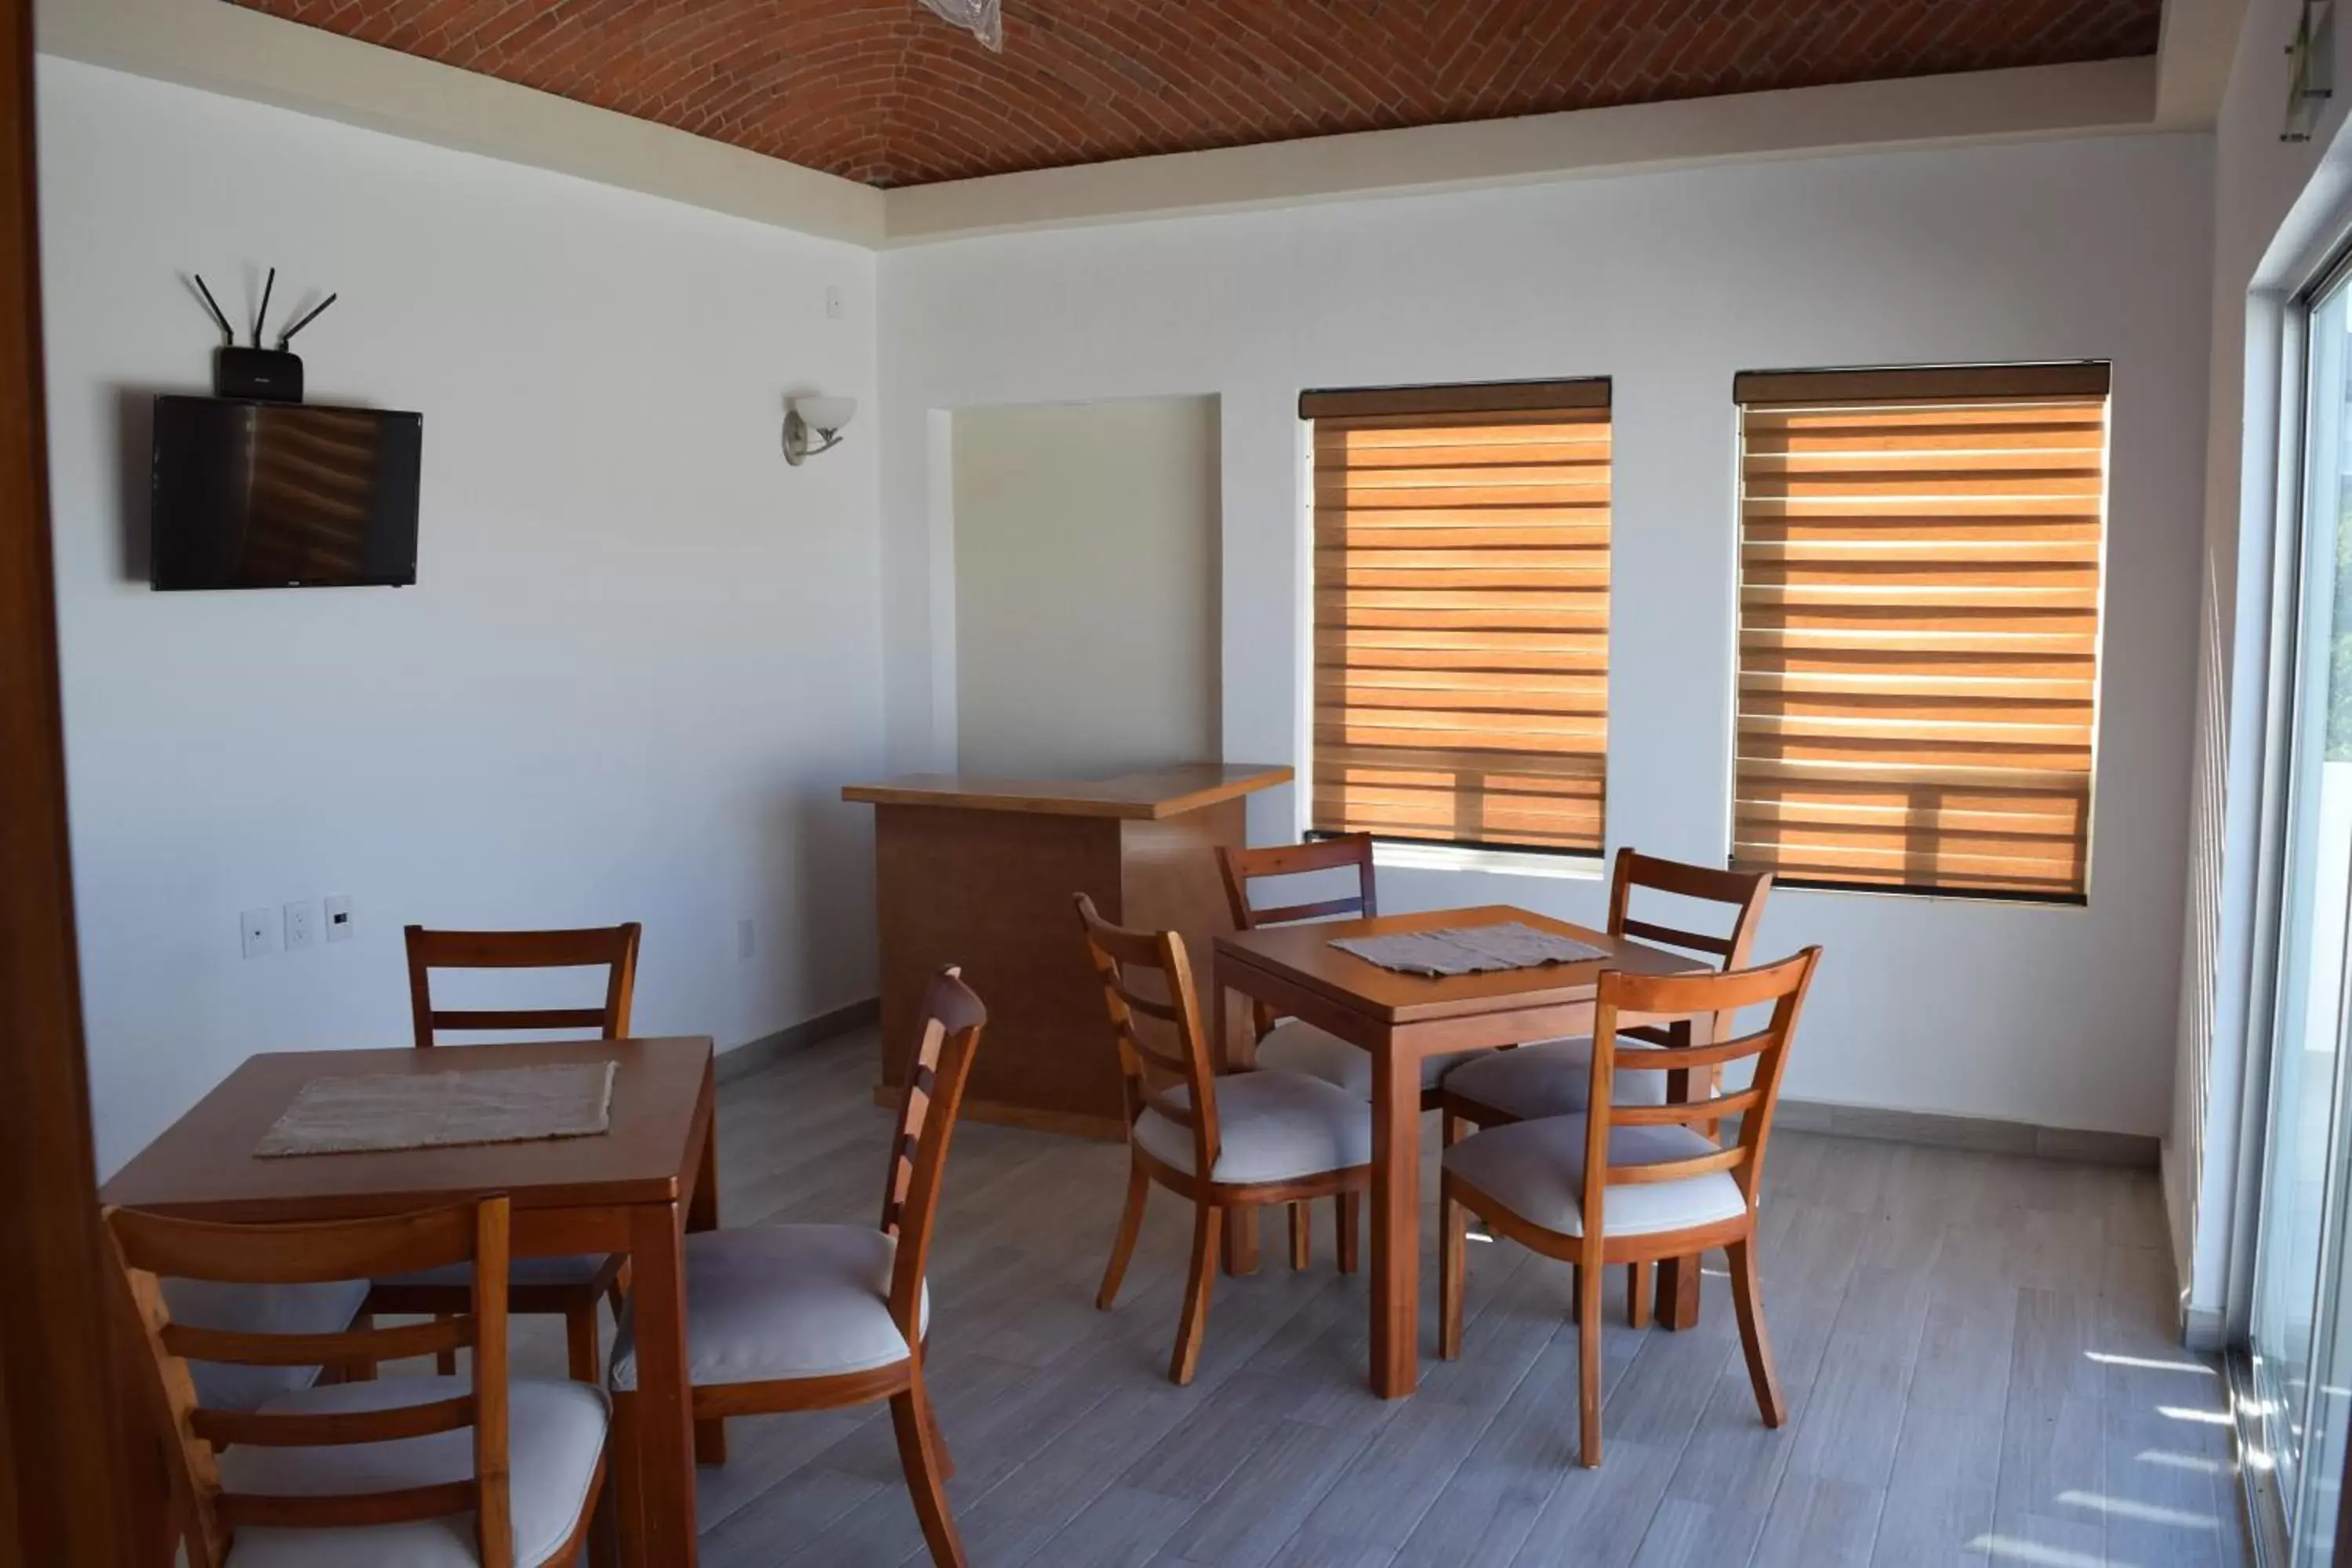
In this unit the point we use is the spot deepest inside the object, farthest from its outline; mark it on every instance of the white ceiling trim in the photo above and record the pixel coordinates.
(248, 54)
(1979, 106)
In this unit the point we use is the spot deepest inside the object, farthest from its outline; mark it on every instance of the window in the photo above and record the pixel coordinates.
(1919, 561)
(1462, 614)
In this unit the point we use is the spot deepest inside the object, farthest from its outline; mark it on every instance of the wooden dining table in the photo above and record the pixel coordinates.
(1399, 1019)
(635, 1188)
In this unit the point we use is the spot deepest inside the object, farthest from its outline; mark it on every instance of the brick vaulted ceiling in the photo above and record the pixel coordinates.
(883, 91)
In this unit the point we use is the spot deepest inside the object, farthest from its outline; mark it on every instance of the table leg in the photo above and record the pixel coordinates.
(1396, 1225)
(663, 1486)
(1241, 1224)
(702, 1214)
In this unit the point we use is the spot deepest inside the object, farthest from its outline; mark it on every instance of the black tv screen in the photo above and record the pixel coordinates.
(282, 495)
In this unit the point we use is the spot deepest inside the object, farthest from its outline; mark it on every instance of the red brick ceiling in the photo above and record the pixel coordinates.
(883, 91)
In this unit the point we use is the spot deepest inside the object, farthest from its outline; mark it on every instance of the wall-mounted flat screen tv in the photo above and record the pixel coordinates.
(282, 495)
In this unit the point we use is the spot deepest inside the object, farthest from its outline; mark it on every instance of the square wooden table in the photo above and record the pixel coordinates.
(1401, 1018)
(636, 1188)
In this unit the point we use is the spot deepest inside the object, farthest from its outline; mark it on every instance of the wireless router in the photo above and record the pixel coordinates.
(269, 376)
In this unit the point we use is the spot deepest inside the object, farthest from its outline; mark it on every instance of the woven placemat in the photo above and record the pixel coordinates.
(371, 1112)
(1468, 950)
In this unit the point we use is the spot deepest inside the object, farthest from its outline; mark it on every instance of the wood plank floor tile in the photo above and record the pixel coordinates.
(1978, 1352)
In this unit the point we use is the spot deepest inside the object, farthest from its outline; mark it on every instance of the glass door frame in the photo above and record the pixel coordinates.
(2287, 643)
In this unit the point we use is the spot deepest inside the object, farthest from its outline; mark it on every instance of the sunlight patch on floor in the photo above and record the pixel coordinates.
(2108, 1358)
(2173, 1461)
(2011, 1549)
(2147, 1512)
(2182, 1413)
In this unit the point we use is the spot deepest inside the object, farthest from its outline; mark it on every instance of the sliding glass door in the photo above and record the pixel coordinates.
(2299, 1370)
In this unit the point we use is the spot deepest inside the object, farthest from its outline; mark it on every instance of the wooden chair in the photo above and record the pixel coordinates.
(1551, 1078)
(362, 1472)
(1293, 1045)
(1221, 1140)
(811, 1317)
(568, 1288)
(1636, 1182)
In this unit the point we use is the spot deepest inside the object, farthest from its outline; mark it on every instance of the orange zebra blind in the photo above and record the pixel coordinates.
(1462, 614)
(1919, 565)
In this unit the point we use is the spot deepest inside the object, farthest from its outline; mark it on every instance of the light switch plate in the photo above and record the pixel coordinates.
(343, 925)
(257, 931)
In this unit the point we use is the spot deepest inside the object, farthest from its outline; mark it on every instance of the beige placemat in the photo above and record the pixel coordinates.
(374, 1111)
(1468, 950)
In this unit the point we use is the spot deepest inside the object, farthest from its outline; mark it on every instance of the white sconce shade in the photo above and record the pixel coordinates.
(813, 425)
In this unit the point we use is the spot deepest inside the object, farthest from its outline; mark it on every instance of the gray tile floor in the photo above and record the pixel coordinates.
(1977, 1350)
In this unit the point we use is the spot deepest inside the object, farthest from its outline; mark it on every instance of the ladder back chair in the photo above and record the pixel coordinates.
(1551, 1078)
(429, 1472)
(568, 1288)
(1221, 1140)
(811, 1317)
(1634, 1183)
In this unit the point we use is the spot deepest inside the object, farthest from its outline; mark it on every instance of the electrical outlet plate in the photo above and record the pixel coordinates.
(301, 925)
(342, 923)
(257, 933)
(743, 941)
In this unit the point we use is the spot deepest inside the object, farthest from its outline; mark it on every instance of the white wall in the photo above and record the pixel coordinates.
(641, 656)
(1085, 568)
(1670, 283)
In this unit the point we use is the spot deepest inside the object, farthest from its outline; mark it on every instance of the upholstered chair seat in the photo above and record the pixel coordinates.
(1295, 1046)
(1536, 1169)
(1551, 1078)
(1271, 1126)
(771, 1302)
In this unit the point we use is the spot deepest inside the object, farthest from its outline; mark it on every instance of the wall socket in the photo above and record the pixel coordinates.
(257, 933)
(743, 941)
(342, 924)
(301, 925)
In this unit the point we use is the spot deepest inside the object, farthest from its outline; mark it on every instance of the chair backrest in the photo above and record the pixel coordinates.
(1150, 1071)
(611, 948)
(1351, 852)
(149, 1248)
(1345, 850)
(1782, 986)
(949, 1036)
(1743, 892)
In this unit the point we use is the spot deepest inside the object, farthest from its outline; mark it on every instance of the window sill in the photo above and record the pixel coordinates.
(1503, 862)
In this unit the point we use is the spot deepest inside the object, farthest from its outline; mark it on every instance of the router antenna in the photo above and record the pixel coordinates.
(262, 314)
(228, 334)
(309, 316)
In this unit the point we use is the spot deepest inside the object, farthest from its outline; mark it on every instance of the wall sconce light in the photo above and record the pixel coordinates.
(813, 425)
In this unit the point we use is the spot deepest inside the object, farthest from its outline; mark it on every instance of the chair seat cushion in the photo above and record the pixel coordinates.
(1551, 1078)
(1296, 1046)
(326, 1309)
(769, 1303)
(1271, 1126)
(580, 1269)
(555, 1435)
(1536, 1169)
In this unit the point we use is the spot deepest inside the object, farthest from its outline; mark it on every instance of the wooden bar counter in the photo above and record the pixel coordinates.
(979, 872)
